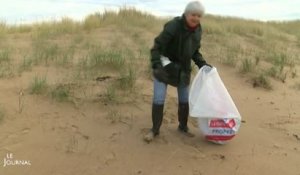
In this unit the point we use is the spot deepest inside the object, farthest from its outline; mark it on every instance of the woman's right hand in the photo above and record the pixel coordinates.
(160, 74)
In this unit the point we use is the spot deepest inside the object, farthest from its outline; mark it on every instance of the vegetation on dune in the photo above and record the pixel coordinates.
(261, 80)
(25, 64)
(247, 65)
(260, 49)
(110, 95)
(2, 30)
(6, 67)
(2, 113)
(118, 44)
(4, 56)
(61, 93)
(111, 58)
(38, 85)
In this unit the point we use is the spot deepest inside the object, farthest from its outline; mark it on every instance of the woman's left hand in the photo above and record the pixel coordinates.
(204, 64)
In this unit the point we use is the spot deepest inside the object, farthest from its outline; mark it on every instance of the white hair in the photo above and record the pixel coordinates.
(194, 7)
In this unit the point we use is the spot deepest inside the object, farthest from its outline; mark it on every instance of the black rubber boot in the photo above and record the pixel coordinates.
(157, 117)
(183, 114)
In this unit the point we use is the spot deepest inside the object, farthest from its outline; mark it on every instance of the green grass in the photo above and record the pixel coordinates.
(53, 29)
(124, 18)
(128, 80)
(6, 67)
(262, 80)
(273, 71)
(26, 64)
(92, 21)
(230, 25)
(249, 46)
(106, 58)
(279, 60)
(4, 56)
(100, 61)
(294, 73)
(82, 70)
(2, 113)
(45, 52)
(65, 56)
(111, 95)
(251, 43)
(61, 93)
(230, 60)
(3, 30)
(6, 71)
(257, 60)
(247, 66)
(38, 85)
(277, 73)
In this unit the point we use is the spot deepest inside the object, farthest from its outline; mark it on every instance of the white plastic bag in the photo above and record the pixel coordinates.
(210, 101)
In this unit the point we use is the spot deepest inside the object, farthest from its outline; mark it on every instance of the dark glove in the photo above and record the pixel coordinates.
(160, 74)
(204, 64)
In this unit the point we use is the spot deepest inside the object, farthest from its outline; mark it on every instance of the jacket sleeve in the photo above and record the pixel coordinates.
(197, 56)
(161, 42)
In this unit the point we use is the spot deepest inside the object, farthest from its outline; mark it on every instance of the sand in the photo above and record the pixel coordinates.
(92, 137)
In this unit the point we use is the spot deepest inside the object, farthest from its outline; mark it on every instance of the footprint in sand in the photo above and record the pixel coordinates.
(113, 137)
(25, 130)
(159, 139)
(76, 142)
(72, 145)
(218, 156)
(197, 172)
(75, 128)
(109, 158)
(297, 137)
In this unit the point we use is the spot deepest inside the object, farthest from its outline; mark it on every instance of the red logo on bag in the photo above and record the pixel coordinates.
(218, 138)
(220, 123)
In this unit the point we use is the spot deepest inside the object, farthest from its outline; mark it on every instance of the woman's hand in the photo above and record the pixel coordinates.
(160, 74)
(204, 64)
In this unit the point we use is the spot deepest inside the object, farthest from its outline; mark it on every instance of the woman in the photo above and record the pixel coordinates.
(178, 43)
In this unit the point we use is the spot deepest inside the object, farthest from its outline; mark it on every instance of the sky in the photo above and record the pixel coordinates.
(27, 11)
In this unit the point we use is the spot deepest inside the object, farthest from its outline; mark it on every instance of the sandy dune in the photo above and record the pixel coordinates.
(97, 138)
(89, 135)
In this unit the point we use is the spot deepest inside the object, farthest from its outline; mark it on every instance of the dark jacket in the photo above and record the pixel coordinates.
(180, 45)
